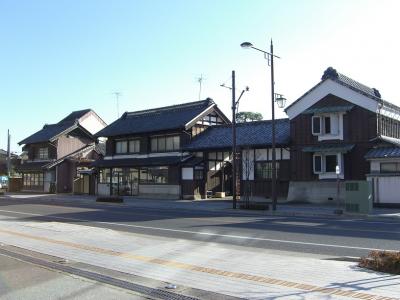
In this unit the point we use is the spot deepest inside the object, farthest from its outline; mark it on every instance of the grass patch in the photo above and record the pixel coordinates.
(382, 261)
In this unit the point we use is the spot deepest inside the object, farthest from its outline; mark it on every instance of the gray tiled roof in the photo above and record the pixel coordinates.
(50, 131)
(329, 109)
(158, 119)
(383, 152)
(338, 147)
(75, 115)
(251, 134)
(32, 166)
(47, 132)
(331, 73)
(137, 162)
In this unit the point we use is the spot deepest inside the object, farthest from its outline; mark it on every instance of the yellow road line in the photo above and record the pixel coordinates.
(195, 268)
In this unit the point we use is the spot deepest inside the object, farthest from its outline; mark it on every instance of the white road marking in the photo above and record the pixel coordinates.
(201, 233)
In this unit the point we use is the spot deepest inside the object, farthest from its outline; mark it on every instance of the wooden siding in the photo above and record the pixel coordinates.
(174, 174)
(66, 171)
(33, 150)
(193, 188)
(67, 145)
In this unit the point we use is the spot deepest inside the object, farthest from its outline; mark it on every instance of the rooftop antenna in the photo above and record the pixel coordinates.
(200, 81)
(117, 94)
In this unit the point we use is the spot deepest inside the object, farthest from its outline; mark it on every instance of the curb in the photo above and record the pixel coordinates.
(229, 210)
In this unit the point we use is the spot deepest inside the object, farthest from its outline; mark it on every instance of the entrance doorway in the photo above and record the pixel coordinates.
(125, 182)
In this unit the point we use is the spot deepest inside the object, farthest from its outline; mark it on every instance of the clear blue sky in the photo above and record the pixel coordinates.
(60, 56)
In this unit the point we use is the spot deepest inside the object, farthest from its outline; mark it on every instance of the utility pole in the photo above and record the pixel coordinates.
(235, 105)
(273, 186)
(8, 154)
(234, 140)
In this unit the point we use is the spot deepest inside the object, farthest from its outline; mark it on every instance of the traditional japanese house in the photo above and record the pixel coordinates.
(210, 171)
(332, 127)
(384, 159)
(59, 152)
(144, 149)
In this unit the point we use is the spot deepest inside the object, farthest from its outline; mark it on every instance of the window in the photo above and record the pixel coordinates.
(104, 176)
(316, 125)
(121, 147)
(327, 123)
(134, 146)
(33, 180)
(317, 164)
(165, 143)
(326, 163)
(326, 126)
(264, 170)
(330, 163)
(154, 175)
(391, 167)
(43, 153)
(198, 173)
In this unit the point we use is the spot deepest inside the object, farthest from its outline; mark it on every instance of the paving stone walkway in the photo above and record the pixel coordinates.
(236, 271)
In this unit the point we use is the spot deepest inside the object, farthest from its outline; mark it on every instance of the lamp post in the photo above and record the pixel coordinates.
(269, 56)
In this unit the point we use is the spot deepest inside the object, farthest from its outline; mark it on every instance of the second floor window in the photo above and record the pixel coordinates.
(165, 143)
(127, 146)
(121, 147)
(325, 125)
(43, 153)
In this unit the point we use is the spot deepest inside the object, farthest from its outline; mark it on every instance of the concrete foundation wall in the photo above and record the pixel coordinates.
(103, 189)
(315, 191)
(160, 191)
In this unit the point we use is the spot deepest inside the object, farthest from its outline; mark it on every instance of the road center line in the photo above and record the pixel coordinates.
(239, 237)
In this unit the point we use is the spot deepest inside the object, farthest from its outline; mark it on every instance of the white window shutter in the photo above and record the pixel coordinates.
(335, 124)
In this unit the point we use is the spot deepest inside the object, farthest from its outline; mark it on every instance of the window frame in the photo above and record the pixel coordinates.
(313, 123)
(134, 141)
(321, 164)
(43, 153)
(120, 142)
(164, 140)
(323, 172)
(267, 171)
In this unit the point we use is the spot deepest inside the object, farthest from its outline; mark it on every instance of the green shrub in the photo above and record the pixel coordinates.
(382, 261)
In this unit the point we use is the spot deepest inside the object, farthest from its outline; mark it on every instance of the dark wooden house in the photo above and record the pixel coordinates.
(333, 126)
(144, 149)
(212, 150)
(58, 152)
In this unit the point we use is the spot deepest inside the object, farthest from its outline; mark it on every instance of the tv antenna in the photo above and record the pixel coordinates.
(200, 81)
(117, 95)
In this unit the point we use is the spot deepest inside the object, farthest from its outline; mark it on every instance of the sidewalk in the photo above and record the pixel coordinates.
(249, 273)
(286, 209)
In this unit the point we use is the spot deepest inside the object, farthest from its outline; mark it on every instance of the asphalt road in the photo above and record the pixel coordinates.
(22, 280)
(303, 235)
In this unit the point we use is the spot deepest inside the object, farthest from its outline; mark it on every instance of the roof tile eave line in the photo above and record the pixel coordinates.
(198, 103)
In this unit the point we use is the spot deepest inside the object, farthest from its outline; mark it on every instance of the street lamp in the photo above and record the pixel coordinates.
(280, 100)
